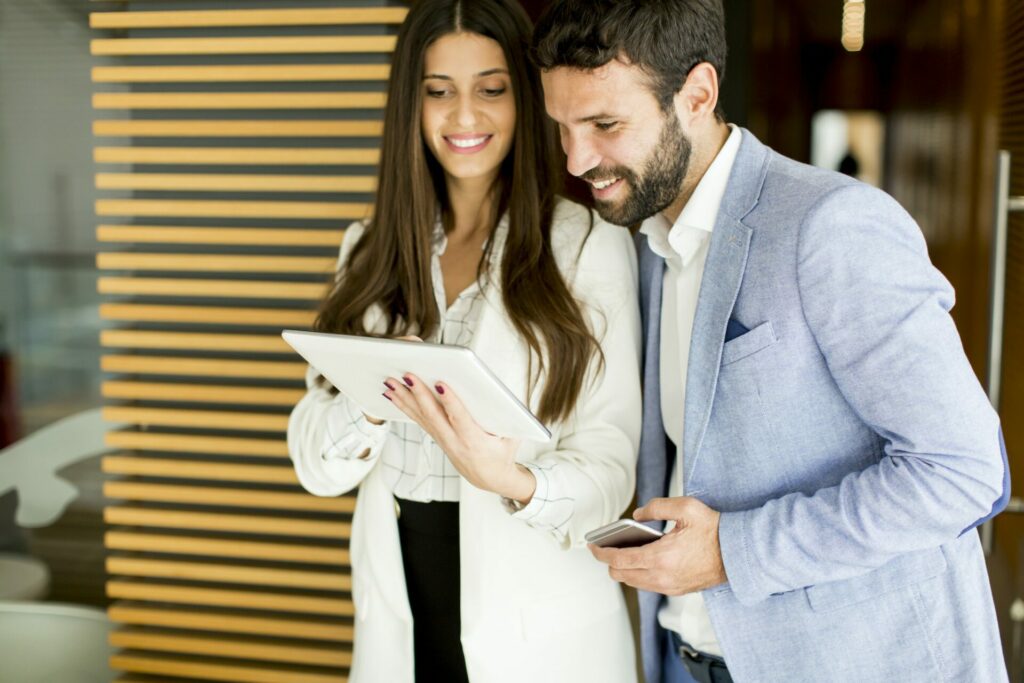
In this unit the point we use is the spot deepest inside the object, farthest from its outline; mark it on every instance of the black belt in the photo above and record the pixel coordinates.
(703, 667)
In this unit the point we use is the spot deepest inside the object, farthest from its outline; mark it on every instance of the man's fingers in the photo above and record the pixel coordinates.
(621, 558)
(658, 509)
(641, 579)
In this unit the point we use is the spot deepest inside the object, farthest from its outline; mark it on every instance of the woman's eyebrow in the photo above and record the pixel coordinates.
(488, 72)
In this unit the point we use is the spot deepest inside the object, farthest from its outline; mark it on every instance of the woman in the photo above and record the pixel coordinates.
(467, 550)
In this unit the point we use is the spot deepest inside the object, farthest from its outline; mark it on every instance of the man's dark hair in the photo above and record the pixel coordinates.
(665, 38)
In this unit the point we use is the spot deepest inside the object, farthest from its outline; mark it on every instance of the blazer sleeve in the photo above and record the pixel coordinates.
(588, 480)
(879, 312)
(323, 442)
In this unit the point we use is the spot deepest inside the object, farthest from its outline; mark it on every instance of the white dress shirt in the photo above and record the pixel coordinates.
(420, 471)
(684, 246)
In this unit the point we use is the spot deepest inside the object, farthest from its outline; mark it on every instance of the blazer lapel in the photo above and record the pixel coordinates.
(720, 285)
(723, 272)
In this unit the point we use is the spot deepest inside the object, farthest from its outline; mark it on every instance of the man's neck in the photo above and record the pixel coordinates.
(701, 158)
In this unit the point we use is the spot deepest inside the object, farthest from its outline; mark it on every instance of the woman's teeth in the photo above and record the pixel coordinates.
(472, 142)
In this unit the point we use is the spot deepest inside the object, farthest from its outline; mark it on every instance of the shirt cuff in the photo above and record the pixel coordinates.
(549, 509)
(349, 434)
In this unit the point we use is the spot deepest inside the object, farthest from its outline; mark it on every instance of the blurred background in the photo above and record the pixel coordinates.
(917, 97)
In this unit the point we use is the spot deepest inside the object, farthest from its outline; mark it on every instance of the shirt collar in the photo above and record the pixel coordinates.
(697, 220)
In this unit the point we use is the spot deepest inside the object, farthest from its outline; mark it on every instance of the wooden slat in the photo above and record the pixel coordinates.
(218, 597)
(205, 670)
(223, 547)
(215, 288)
(256, 524)
(228, 573)
(191, 469)
(178, 208)
(267, 45)
(236, 100)
(187, 443)
(244, 73)
(203, 419)
(193, 340)
(241, 648)
(320, 16)
(286, 156)
(158, 234)
(206, 495)
(235, 129)
(211, 182)
(201, 367)
(221, 315)
(230, 622)
(224, 263)
(201, 393)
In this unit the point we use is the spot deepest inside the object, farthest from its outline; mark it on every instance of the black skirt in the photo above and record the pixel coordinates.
(429, 534)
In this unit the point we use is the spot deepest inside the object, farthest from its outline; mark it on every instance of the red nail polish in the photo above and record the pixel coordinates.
(386, 396)
(439, 388)
(407, 381)
(388, 385)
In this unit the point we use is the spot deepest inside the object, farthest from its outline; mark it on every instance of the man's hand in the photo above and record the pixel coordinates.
(685, 560)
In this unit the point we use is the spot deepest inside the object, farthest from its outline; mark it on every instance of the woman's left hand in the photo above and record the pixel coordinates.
(485, 460)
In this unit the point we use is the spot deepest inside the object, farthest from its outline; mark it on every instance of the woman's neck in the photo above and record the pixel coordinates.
(472, 202)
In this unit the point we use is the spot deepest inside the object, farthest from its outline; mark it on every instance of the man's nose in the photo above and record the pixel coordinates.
(580, 155)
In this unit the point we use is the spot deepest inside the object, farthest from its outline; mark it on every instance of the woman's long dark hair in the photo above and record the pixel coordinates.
(391, 263)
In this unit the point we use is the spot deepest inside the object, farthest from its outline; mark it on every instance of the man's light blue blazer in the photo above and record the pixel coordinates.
(841, 432)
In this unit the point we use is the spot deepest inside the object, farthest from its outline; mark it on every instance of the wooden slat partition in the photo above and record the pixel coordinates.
(175, 234)
(214, 182)
(216, 597)
(243, 17)
(200, 128)
(242, 648)
(290, 156)
(242, 46)
(247, 74)
(239, 289)
(194, 340)
(195, 393)
(234, 100)
(228, 166)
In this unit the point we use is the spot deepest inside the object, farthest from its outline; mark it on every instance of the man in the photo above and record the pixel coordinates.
(809, 410)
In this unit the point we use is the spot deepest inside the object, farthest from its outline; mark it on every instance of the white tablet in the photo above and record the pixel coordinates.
(358, 366)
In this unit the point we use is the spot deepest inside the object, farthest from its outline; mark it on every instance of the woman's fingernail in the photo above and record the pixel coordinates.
(407, 381)
(386, 396)
(388, 385)
(439, 388)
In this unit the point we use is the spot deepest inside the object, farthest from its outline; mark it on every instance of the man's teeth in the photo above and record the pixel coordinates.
(468, 143)
(601, 184)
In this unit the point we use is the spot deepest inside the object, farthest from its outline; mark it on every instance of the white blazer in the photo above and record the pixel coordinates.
(533, 608)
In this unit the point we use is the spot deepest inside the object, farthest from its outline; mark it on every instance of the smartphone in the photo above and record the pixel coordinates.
(623, 533)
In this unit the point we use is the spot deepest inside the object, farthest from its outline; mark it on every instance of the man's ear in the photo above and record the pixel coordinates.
(697, 99)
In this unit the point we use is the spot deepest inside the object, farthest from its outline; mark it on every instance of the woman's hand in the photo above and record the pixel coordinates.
(485, 460)
(376, 420)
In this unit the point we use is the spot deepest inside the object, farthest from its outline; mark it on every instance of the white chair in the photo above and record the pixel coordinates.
(44, 642)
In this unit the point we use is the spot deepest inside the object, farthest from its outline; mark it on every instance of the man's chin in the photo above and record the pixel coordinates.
(615, 213)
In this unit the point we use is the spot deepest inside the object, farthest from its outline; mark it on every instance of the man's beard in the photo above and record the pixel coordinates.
(657, 186)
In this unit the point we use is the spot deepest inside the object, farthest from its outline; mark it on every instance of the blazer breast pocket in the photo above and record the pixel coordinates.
(761, 337)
